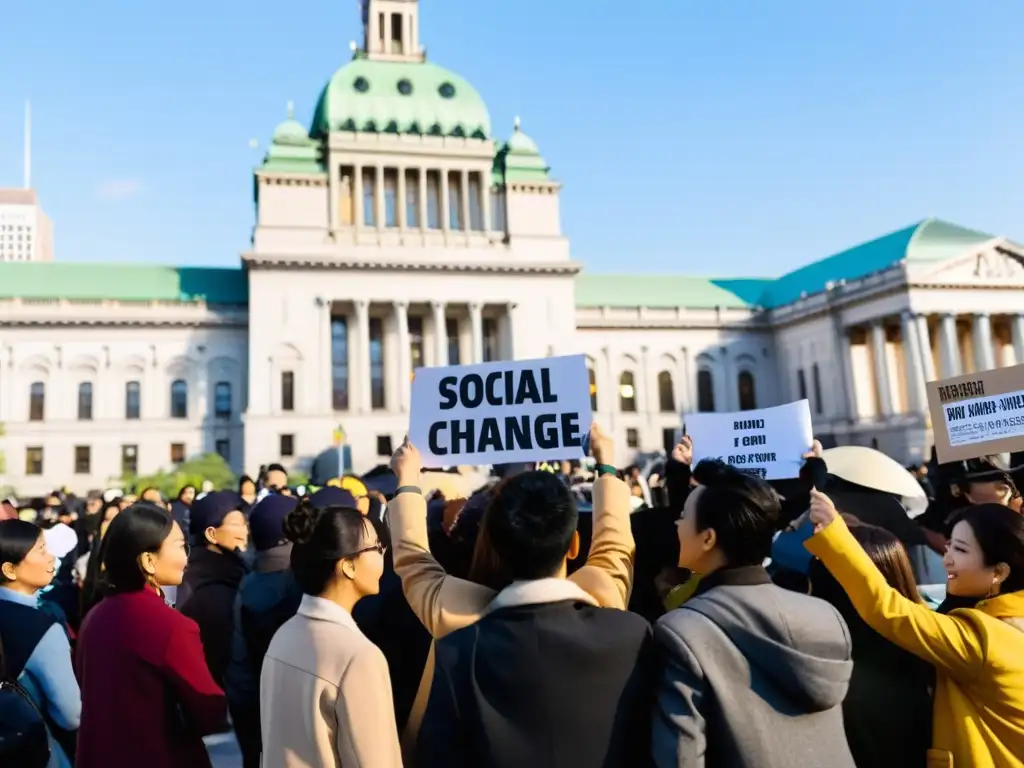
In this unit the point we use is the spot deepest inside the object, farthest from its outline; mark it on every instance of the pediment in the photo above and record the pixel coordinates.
(1000, 264)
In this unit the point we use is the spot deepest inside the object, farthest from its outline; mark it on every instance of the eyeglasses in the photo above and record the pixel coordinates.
(378, 547)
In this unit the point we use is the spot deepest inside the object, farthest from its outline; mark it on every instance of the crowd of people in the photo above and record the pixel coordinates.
(697, 616)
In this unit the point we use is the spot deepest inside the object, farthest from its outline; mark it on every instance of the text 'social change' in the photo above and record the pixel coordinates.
(768, 443)
(497, 413)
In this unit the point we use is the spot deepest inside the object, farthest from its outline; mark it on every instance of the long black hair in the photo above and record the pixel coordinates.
(141, 528)
(321, 538)
(17, 537)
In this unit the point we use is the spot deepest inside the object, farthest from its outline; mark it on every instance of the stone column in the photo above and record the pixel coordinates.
(917, 394)
(686, 388)
(476, 323)
(924, 339)
(378, 195)
(983, 358)
(485, 199)
(949, 347)
(440, 333)
(466, 226)
(421, 198)
(404, 354)
(357, 196)
(323, 396)
(506, 332)
(882, 380)
(361, 371)
(1017, 334)
(446, 220)
(403, 223)
(849, 380)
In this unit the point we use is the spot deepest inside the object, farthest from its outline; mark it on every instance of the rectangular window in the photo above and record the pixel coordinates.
(476, 203)
(83, 460)
(370, 197)
(454, 342)
(129, 460)
(223, 449)
(384, 447)
(490, 330)
(801, 385)
(416, 347)
(222, 400)
(819, 406)
(390, 197)
(346, 196)
(34, 460)
(177, 453)
(380, 29)
(632, 438)
(412, 198)
(339, 363)
(396, 33)
(36, 401)
(455, 201)
(376, 363)
(498, 209)
(132, 400)
(287, 391)
(287, 446)
(433, 199)
(668, 439)
(85, 401)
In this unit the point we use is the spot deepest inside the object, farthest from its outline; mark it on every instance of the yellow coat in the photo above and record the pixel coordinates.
(978, 654)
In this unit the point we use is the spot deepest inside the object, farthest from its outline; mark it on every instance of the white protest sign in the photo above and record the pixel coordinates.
(767, 442)
(501, 413)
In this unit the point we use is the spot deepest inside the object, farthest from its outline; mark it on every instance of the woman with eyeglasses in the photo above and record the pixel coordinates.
(325, 692)
(147, 695)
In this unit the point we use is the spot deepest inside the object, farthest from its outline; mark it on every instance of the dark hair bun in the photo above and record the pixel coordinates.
(300, 523)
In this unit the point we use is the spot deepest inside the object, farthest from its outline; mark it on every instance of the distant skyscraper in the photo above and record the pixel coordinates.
(26, 232)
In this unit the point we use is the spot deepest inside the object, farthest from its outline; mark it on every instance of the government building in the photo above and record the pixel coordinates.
(402, 229)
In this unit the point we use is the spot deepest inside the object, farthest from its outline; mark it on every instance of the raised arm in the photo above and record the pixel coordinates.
(952, 643)
(608, 573)
(441, 602)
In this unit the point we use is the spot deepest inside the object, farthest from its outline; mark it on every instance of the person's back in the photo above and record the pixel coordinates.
(546, 679)
(753, 675)
(765, 669)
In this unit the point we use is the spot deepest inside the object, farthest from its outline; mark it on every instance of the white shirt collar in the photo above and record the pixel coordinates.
(320, 609)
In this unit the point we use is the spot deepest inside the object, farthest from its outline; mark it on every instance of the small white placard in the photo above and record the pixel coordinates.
(501, 413)
(767, 442)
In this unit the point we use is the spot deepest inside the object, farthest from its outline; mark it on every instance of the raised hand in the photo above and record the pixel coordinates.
(683, 451)
(815, 452)
(602, 447)
(407, 464)
(822, 511)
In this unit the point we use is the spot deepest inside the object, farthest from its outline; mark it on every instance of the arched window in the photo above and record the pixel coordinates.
(593, 389)
(132, 400)
(222, 400)
(85, 401)
(179, 399)
(705, 391)
(36, 401)
(747, 393)
(627, 393)
(666, 393)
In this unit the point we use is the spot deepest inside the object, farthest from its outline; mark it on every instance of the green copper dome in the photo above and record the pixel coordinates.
(520, 160)
(400, 97)
(291, 149)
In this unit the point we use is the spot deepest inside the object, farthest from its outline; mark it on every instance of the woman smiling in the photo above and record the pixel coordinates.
(977, 649)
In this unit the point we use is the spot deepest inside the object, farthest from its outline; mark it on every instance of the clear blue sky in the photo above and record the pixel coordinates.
(731, 137)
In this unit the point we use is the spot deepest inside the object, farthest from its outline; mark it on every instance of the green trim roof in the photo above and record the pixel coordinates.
(292, 151)
(122, 282)
(400, 97)
(931, 240)
(665, 291)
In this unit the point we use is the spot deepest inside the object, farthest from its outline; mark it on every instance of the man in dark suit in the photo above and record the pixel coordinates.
(546, 678)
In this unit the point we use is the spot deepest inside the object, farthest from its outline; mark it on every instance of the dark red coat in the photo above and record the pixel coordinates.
(147, 694)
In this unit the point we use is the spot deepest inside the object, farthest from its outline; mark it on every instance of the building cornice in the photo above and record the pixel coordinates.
(678, 318)
(107, 313)
(505, 267)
